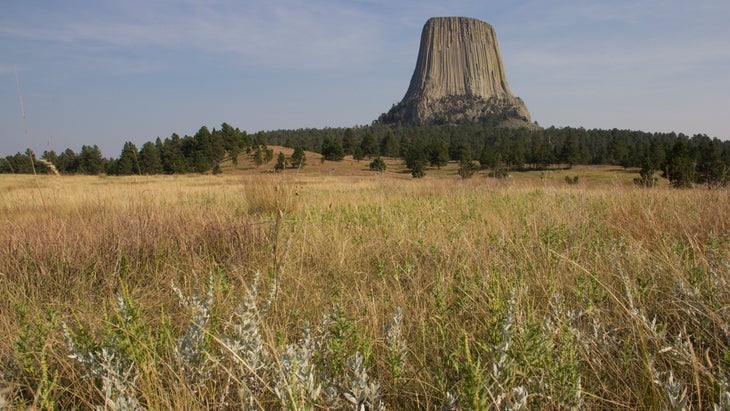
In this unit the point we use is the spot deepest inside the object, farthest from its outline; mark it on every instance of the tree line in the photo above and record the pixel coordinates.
(684, 160)
(200, 153)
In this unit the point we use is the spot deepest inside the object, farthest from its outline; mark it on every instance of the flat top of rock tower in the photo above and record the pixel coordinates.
(456, 18)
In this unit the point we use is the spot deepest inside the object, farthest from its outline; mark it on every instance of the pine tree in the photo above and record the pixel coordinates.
(404, 147)
(438, 153)
(710, 168)
(218, 148)
(388, 147)
(348, 142)
(231, 141)
(680, 166)
(128, 162)
(459, 151)
(332, 150)
(570, 153)
(539, 152)
(52, 157)
(488, 158)
(656, 155)
(90, 160)
(298, 158)
(172, 157)
(358, 155)
(68, 162)
(416, 158)
(517, 156)
(280, 162)
(419, 169)
(369, 145)
(202, 153)
(378, 164)
(149, 159)
(647, 177)
(258, 156)
(467, 168)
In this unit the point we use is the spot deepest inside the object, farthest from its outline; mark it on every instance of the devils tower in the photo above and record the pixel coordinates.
(459, 78)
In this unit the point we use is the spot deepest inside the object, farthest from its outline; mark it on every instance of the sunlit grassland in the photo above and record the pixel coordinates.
(595, 295)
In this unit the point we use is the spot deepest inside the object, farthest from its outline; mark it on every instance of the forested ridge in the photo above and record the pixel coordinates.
(685, 160)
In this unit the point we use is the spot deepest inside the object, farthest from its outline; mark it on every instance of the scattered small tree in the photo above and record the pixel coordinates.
(572, 180)
(416, 158)
(647, 176)
(280, 162)
(258, 156)
(378, 164)
(357, 154)
(467, 168)
(499, 173)
(298, 158)
(418, 170)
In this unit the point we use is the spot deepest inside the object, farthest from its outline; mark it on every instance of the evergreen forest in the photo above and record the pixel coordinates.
(684, 160)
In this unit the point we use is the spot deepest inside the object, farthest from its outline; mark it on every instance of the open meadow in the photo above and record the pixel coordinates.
(327, 289)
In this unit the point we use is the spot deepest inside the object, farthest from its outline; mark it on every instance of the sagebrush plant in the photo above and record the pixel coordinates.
(362, 393)
(298, 386)
(253, 369)
(193, 347)
(244, 344)
(396, 346)
(513, 294)
(110, 365)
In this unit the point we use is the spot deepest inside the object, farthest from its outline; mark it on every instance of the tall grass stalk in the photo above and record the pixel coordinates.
(511, 294)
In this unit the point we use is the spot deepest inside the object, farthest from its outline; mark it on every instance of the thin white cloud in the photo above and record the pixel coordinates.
(282, 34)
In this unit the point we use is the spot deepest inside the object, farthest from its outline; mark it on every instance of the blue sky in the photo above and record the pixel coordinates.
(104, 72)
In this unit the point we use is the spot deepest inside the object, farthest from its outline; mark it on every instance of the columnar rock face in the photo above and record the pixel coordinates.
(459, 77)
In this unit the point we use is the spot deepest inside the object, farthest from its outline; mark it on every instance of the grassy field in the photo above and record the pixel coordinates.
(336, 287)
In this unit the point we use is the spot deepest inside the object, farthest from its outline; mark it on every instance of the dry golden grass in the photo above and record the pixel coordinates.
(588, 175)
(596, 261)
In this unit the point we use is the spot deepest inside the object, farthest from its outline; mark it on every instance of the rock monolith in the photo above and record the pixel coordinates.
(459, 77)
